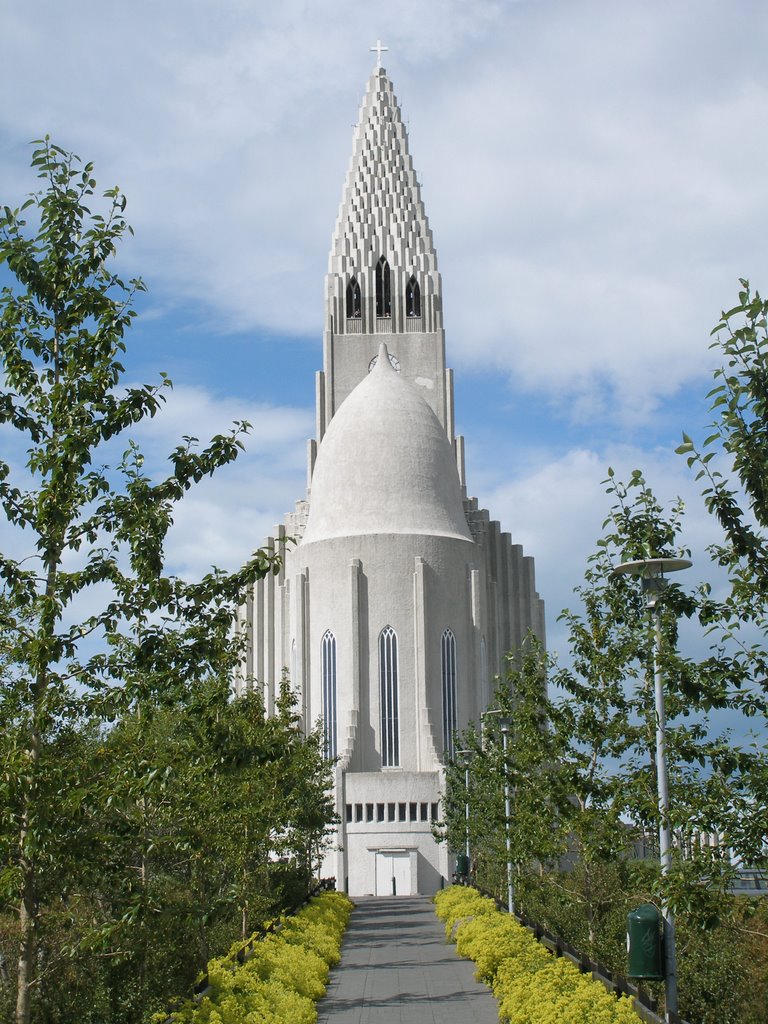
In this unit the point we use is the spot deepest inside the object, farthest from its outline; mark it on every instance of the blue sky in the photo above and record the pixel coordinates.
(593, 172)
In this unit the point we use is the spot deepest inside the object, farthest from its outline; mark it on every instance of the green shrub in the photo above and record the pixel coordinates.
(531, 985)
(458, 902)
(284, 975)
(556, 992)
(492, 940)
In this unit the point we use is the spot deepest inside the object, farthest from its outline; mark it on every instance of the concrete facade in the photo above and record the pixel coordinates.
(393, 610)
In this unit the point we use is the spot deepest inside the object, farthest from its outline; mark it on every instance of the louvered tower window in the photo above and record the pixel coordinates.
(413, 298)
(328, 674)
(388, 696)
(448, 665)
(353, 299)
(383, 294)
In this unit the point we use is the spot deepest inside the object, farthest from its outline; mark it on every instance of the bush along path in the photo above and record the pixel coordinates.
(530, 984)
(283, 976)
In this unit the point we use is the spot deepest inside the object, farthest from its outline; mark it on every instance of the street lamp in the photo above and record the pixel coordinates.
(505, 725)
(652, 577)
(466, 758)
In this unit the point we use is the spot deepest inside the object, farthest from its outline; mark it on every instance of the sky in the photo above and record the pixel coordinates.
(594, 173)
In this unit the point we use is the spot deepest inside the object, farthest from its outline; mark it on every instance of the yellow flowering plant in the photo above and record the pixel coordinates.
(532, 986)
(458, 902)
(284, 975)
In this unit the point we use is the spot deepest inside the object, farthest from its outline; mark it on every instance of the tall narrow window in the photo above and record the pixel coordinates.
(485, 689)
(448, 663)
(383, 298)
(412, 298)
(390, 722)
(353, 299)
(328, 673)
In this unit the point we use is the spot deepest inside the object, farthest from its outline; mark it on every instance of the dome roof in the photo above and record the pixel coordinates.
(385, 465)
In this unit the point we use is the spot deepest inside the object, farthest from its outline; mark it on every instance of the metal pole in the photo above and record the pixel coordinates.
(466, 812)
(466, 758)
(665, 838)
(507, 817)
(651, 572)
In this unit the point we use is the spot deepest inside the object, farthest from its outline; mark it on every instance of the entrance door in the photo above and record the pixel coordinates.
(393, 873)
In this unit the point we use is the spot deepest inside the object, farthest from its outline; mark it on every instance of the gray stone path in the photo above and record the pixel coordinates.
(397, 967)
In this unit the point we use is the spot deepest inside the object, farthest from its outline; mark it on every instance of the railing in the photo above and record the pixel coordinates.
(244, 952)
(643, 1003)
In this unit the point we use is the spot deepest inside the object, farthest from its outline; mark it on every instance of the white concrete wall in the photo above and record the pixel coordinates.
(390, 810)
(384, 595)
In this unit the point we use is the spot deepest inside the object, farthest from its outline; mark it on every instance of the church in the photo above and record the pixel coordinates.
(398, 596)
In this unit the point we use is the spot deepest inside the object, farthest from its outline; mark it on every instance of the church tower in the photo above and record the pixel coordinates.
(398, 596)
(382, 282)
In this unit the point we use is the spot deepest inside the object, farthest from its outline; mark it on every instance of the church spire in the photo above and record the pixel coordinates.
(382, 282)
(383, 265)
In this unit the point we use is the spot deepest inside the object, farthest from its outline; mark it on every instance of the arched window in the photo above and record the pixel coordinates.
(328, 674)
(388, 685)
(485, 689)
(412, 298)
(383, 296)
(448, 673)
(353, 299)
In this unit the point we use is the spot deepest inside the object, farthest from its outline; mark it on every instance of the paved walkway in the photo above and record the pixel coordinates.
(397, 967)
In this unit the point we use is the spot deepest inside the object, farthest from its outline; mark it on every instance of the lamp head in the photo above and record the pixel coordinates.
(505, 722)
(652, 572)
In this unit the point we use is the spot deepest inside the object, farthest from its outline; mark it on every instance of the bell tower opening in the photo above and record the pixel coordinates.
(353, 299)
(412, 298)
(383, 290)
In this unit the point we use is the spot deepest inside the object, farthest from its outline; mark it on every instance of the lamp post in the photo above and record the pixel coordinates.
(466, 759)
(505, 725)
(652, 576)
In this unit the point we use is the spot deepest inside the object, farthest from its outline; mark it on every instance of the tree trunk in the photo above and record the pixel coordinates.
(53, 547)
(28, 903)
(590, 911)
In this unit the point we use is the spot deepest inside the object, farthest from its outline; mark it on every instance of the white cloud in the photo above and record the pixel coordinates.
(223, 518)
(190, 410)
(593, 171)
(556, 510)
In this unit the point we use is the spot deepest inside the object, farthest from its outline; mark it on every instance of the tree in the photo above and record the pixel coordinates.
(210, 810)
(532, 766)
(94, 531)
(612, 650)
(732, 462)
(739, 431)
(609, 697)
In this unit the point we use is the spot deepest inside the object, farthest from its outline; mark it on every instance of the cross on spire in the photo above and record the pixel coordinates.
(378, 49)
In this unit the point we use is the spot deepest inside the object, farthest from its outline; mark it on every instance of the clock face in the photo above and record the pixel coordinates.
(394, 362)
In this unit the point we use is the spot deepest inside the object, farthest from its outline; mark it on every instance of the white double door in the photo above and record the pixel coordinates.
(393, 873)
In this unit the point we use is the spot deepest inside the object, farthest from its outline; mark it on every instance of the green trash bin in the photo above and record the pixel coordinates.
(462, 864)
(644, 943)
